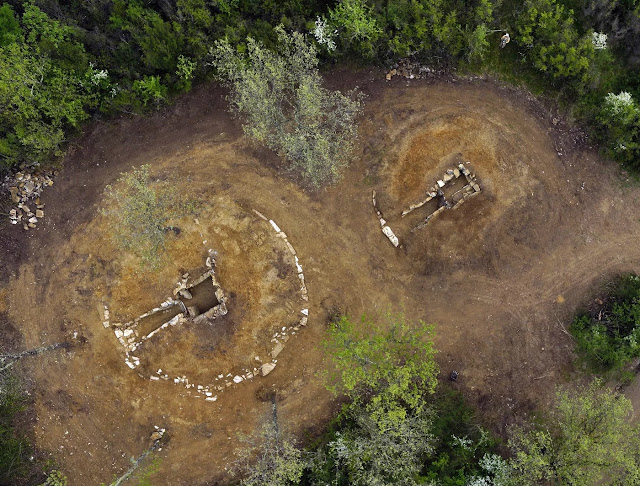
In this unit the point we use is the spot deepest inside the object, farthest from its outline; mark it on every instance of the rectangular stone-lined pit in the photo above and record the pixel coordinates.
(451, 191)
(203, 296)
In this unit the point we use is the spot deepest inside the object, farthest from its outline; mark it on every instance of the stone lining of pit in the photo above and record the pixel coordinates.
(129, 337)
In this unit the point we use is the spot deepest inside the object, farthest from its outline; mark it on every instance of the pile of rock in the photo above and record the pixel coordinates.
(25, 189)
(410, 70)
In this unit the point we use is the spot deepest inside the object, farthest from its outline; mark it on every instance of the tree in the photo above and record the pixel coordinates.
(279, 462)
(365, 454)
(43, 86)
(609, 338)
(141, 211)
(388, 372)
(356, 25)
(553, 43)
(285, 106)
(588, 439)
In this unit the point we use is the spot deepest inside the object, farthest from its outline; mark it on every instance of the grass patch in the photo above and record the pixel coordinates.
(15, 449)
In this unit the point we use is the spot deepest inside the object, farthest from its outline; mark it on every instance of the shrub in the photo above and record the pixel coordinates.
(388, 371)
(620, 115)
(150, 89)
(554, 45)
(586, 438)
(56, 478)
(140, 211)
(609, 337)
(285, 106)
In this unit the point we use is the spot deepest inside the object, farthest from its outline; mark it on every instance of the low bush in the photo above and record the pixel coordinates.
(608, 337)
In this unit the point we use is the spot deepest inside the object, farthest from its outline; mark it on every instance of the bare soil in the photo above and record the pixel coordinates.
(500, 277)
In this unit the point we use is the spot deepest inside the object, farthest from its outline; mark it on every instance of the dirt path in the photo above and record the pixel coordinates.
(499, 276)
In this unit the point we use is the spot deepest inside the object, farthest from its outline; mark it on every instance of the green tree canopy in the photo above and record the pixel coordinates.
(281, 97)
(587, 439)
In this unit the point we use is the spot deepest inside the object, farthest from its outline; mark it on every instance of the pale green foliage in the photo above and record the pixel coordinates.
(279, 461)
(356, 25)
(499, 472)
(150, 89)
(599, 40)
(587, 439)
(391, 369)
(556, 48)
(285, 106)
(477, 43)
(56, 478)
(369, 455)
(620, 115)
(619, 104)
(324, 34)
(185, 71)
(140, 211)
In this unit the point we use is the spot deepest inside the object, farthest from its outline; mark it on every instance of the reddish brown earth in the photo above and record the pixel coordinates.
(500, 277)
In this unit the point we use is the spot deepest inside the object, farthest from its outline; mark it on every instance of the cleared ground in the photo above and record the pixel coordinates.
(500, 276)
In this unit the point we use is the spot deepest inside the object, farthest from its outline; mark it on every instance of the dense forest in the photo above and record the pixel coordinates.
(66, 62)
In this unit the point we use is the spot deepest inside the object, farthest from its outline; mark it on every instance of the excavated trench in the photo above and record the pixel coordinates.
(203, 298)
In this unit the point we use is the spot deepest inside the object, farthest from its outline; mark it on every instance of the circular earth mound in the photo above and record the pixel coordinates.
(261, 289)
(498, 160)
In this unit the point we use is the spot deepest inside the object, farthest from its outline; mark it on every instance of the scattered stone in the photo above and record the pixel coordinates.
(275, 226)
(267, 368)
(237, 379)
(193, 311)
(25, 187)
(388, 232)
(185, 294)
(277, 350)
(440, 183)
(39, 213)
